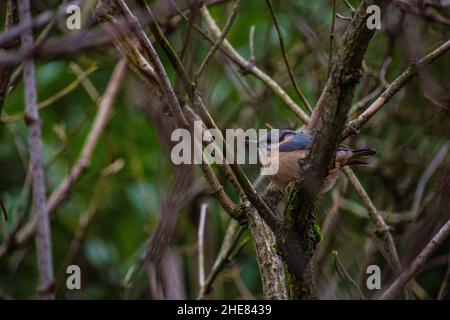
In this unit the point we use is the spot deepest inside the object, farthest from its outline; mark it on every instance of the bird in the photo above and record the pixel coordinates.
(288, 146)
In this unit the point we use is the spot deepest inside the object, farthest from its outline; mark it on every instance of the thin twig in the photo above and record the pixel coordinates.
(355, 125)
(83, 226)
(40, 40)
(78, 41)
(343, 273)
(229, 244)
(169, 94)
(200, 244)
(213, 49)
(348, 4)
(248, 67)
(3, 208)
(382, 231)
(189, 33)
(340, 16)
(443, 291)
(83, 162)
(285, 58)
(331, 53)
(141, 64)
(235, 276)
(251, 45)
(5, 73)
(243, 185)
(434, 164)
(399, 284)
(17, 30)
(87, 84)
(57, 96)
(45, 263)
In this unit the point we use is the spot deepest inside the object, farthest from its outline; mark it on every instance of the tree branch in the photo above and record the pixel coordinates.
(5, 72)
(382, 230)
(200, 244)
(212, 51)
(44, 245)
(83, 162)
(285, 58)
(150, 51)
(249, 67)
(399, 284)
(355, 125)
(298, 236)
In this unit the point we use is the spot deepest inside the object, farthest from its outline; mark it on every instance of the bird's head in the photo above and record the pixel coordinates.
(278, 139)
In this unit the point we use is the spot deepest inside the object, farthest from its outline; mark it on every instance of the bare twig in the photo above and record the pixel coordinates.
(142, 66)
(243, 185)
(343, 273)
(3, 208)
(353, 126)
(382, 231)
(229, 244)
(332, 36)
(200, 244)
(251, 45)
(57, 96)
(340, 16)
(87, 84)
(235, 276)
(213, 49)
(17, 30)
(45, 264)
(397, 286)
(443, 291)
(40, 40)
(79, 41)
(83, 226)
(169, 94)
(247, 66)
(5, 73)
(83, 162)
(348, 4)
(285, 58)
(434, 164)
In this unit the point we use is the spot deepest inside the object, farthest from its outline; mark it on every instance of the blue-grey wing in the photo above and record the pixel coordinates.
(298, 142)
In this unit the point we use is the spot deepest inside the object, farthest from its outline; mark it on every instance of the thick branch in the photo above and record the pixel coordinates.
(326, 125)
(269, 262)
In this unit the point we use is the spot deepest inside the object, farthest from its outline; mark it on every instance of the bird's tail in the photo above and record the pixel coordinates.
(359, 154)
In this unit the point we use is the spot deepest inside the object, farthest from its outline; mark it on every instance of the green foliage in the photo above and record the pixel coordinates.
(408, 132)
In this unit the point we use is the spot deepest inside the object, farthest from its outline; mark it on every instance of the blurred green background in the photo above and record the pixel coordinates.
(126, 204)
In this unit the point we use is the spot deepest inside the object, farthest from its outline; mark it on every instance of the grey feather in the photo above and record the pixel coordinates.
(298, 142)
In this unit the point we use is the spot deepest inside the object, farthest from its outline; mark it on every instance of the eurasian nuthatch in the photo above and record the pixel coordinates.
(287, 146)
